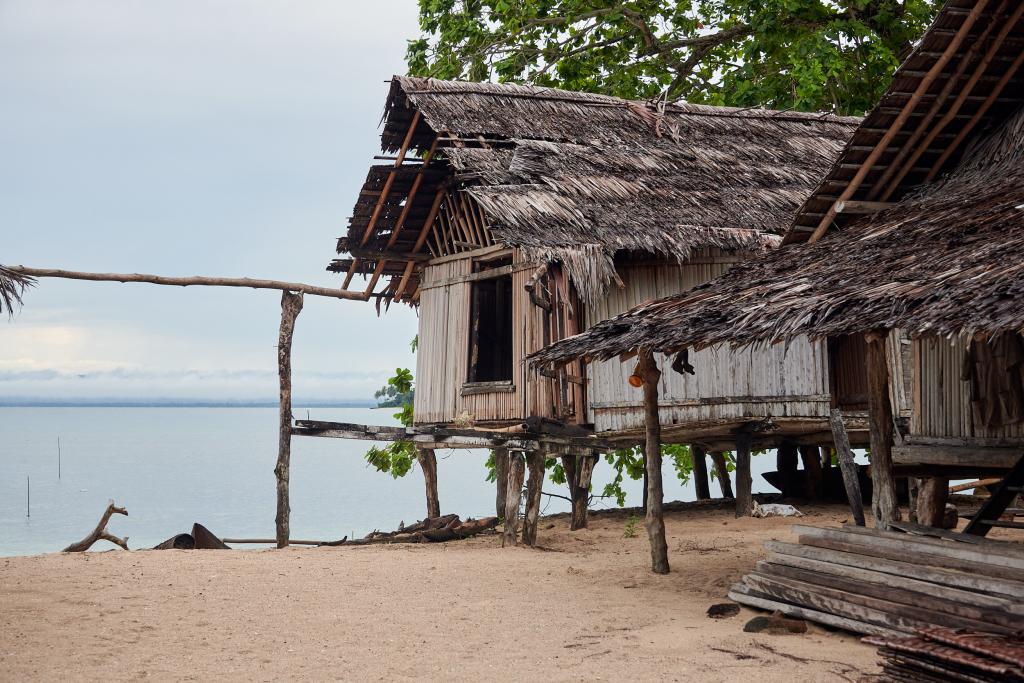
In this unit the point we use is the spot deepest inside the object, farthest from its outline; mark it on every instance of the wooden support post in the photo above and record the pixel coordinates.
(826, 458)
(811, 458)
(700, 472)
(931, 501)
(291, 305)
(534, 487)
(786, 464)
(578, 472)
(913, 487)
(722, 474)
(500, 481)
(744, 480)
(428, 463)
(883, 481)
(654, 520)
(516, 472)
(849, 469)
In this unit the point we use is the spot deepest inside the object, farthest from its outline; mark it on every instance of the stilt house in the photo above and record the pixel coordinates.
(517, 216)
(918, 226)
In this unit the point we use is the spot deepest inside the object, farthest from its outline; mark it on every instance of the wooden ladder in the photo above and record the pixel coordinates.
(988, 516)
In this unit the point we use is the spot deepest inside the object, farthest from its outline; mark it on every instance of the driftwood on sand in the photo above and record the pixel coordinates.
(100, 533)
(430, 530)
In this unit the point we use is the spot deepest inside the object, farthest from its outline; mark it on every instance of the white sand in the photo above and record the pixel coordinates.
(584, 607)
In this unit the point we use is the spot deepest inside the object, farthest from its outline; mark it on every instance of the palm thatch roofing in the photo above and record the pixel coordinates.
(577, 177)
(12, 287)
(939, 254)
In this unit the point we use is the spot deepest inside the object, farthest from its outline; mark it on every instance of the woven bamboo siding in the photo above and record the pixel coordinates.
(776, 381)
(442, 357)
(944, 399)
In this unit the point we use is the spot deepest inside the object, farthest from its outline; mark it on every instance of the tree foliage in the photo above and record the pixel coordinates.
(397, 457)
(823, 55)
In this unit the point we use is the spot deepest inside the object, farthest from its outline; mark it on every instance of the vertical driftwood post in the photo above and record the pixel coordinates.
(744, 480)
(500, 480)
(534, 487)
(811, 458)
(722, 474)
(932, 495)
(654, 519)
(291, 304)
(578, 471)
(700, 472)
(428, 464)
(513, 494)
(786, 464)
(883, 481)
(849, 469)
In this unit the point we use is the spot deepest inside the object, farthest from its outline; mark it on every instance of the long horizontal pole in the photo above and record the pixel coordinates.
(196, 280)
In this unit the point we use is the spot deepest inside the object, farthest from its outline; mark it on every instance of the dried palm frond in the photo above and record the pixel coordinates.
(12, 288)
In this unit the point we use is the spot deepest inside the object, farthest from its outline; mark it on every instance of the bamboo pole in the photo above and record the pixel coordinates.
(195, 280)
(291, 305)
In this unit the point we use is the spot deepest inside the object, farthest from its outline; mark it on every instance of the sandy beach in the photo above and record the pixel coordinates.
(583, 606)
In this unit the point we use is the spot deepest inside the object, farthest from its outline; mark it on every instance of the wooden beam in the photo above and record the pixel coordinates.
(500, 480)
(654, 520)
(424, 231)
(847, 466)
(883, 481)
(911, 148)
(516, 473)
(897, 125)
(534, 488)
(291, 305)
(409, 198)
(700, 472)
(744, 481)
(196, 280)
(853, 207)
(390, 180)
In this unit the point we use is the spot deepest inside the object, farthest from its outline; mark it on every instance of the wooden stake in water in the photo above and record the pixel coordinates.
(58, 457)
(28, 496)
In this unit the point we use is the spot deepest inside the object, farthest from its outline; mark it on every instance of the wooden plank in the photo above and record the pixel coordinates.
(747, 596)
(854, 558)
(471, 277)
(495, 251)
(950, 539)
(921, 604)
(884, 506)
(962, 456)
(863, 607)
(951, 558)
(886, 580)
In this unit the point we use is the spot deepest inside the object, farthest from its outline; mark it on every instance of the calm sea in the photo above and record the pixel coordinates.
(171, 467)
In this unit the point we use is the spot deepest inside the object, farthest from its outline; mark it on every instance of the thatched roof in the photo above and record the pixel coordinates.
(577, 177)
(944, 260)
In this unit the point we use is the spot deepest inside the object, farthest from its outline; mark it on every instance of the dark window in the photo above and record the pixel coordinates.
(490, 338)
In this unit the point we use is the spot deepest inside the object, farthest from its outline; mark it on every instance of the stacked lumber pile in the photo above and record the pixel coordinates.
(941, 654)
(891, 583)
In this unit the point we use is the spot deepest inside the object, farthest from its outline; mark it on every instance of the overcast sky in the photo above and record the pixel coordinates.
(217, 138)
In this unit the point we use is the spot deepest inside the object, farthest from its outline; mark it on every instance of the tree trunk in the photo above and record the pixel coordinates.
(428, 464)
(844, 454)
(578, 472)
(644, 489)
(500, 480)
(786, 464)
(744, 481)
(931, 501)
(700, 472)
(811, 458)
(883, 482)
(291, 305)
(516, 472)
(722, 474)
(654, 519)
(534, 487)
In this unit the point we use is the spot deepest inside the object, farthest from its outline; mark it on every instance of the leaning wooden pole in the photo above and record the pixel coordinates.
(291, 304)
(195, 280)
(883, 480)
(722, 473)
(844, 454)
(654, 520)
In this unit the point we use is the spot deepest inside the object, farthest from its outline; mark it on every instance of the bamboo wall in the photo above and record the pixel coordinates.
(775, 381)
(943, 400)
(442, 359)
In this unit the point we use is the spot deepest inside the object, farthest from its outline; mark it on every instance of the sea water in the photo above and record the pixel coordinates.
(171, 467)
